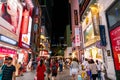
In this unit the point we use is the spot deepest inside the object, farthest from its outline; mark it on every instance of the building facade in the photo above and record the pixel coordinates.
(97, 22)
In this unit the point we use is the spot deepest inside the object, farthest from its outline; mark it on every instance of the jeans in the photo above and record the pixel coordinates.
(61, 67)
(99, 75)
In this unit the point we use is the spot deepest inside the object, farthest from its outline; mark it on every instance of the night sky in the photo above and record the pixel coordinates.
(59, 19)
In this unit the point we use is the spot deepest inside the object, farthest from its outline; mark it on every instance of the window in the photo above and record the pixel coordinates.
(113, 14)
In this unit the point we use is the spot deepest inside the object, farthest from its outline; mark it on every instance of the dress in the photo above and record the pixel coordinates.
(40, 72)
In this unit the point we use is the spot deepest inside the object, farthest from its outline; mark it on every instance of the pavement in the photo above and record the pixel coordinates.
(61, 76)
(65, 75)
(27, 76)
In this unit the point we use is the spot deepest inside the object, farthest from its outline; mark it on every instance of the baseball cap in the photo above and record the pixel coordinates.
(9, 58)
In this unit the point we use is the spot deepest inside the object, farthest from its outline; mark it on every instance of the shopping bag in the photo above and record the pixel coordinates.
(35, 78)
(79, 77)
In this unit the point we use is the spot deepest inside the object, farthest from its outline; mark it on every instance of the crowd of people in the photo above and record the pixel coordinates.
(89, 69)
(50, 67)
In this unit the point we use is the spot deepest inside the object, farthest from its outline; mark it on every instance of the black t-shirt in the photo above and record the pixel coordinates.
(8, 72)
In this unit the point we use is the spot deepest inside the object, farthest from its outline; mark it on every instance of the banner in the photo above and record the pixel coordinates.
(77, 37)
(102, 35)
(115, 41)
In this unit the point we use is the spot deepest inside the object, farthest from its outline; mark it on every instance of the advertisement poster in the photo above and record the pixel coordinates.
(115, 41)
(89, 33)
(11, 15)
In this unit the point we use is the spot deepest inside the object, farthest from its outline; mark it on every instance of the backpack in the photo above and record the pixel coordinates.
(54, 68)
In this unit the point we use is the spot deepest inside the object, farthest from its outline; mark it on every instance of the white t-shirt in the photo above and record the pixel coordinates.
(99, 66)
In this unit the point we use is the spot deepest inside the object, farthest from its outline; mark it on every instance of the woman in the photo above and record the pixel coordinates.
(93, 68)
(40, 70)
(74, 68)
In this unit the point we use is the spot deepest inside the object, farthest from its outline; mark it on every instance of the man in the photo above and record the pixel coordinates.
(9, 70)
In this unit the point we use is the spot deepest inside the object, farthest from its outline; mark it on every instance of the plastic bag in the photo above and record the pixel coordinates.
(35, 78)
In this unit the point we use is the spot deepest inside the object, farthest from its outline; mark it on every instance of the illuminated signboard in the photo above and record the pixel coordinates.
(77, 37)
(25, 22)
(115, 41)
(26, 37)
(7, 50)
(7, 40)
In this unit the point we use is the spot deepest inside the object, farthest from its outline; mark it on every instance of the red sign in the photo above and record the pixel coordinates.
(7, 51)
(115, 41)
(25, 22)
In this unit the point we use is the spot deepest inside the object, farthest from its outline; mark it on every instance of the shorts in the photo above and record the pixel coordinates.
(74, 71)
(54, 74)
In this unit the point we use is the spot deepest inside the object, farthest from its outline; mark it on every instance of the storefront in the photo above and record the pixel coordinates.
(113, 19)
(93, 52)
(4, 52)
(92, 40)
(10, 23)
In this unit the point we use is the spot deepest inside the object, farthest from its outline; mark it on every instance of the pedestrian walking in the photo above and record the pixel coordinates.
(99, 69)
(74, 68)
(54, 69)
(40, 70)
(93, 69)
(9, 70)
(1, 72)
(60, 65)
(86, 66)
(29, 66)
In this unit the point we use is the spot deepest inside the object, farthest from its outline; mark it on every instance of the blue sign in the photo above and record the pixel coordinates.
(102, 35)
(8, 40)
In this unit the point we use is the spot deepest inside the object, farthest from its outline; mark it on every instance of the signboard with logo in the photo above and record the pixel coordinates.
(115, 41)
(26, 37)
(76, 17)
(7, 51)
(77, 37)
(7, 40)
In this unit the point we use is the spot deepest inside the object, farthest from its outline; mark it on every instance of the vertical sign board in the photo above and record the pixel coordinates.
(76, 17)
(25, 22)
(115, 41)
(77, 37)
(102, 35)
